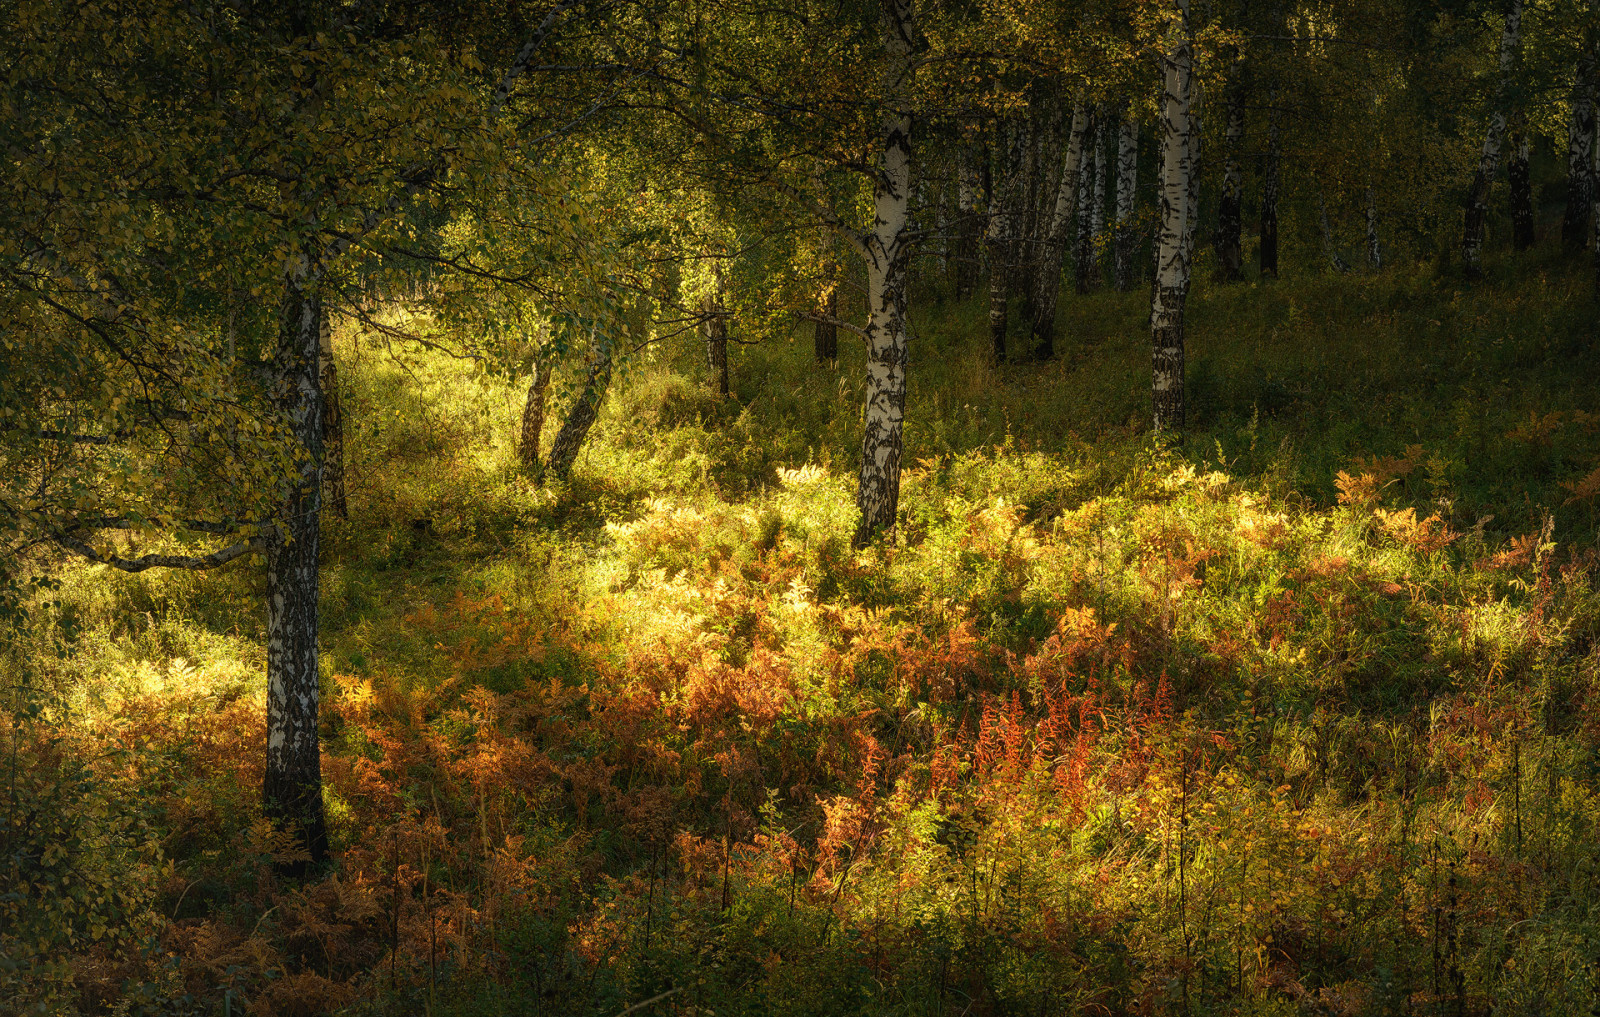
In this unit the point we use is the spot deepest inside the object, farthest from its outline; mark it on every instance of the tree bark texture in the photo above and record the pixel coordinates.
(1127, 238)
(1489, 159)
(1176, 196)
(1230, 224)
(1581, 137)
(964, 257)
(1000, 240)
(533, 415)
(583, 413)
(1053, 245)
(1086, 272)
(887, 250)
(333, 489)
(292, 791)
(1268, 254)
(716, 330)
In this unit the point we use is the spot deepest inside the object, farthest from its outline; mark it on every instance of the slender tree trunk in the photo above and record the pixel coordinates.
(1087, 275)
(965, 259)
(1127, 194)
(1047, 282)
(1489, 159)
(292, 791)
(1176, 196)
(1580, 153)
(887, 251)
(1269, 194)
(584, 412)
(1374, 249)
(1024, 217)
(533, 414)
(1230, 227)
(825, 340)
(1196, 144)
(1521, 191)
(1000, 242)
(716, 331)
(333, 490)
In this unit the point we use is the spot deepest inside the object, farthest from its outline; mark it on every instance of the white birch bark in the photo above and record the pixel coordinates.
(887, 249)
(1000, 239)
(1489, 158)
(1127, 195)
(1083, 258)
(1173, 250)
(1097, 214)
(292, 788)
(1053, 246)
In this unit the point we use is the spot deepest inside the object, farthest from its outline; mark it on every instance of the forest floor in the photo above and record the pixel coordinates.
(1294, 717)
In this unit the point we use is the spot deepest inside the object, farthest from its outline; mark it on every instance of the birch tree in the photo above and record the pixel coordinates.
(1493, 137)
(1176, 197)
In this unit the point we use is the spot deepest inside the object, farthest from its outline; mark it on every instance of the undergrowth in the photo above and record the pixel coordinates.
(1292, 718)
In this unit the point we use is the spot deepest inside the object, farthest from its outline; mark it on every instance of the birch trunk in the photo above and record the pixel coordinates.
(887, 251)
(1127, 193)
(292, 790)
(333, 490)
(1580, 153)
(1001, 245)
(1269, 195)
(1521, 191)
(533, 415)
(964, 260)
(1084, 248)
(1230, 227)
(1047, 281)
(1025, 219)
(1489, 159)
(584, 412)
(1173, 265)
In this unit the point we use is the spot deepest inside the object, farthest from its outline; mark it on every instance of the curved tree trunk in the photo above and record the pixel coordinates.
(1521, 191)
(1489, 158)
(887, 252)
(1047, 281)
(533, 415)
(1269, 195)
(292, 790)
(333, 490)
(1176, 194)
(584, 412)
(1230, 223)
(1580, 153)
(1127, 194)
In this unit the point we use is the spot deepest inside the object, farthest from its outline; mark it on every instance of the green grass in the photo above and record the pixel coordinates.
(678, 645)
